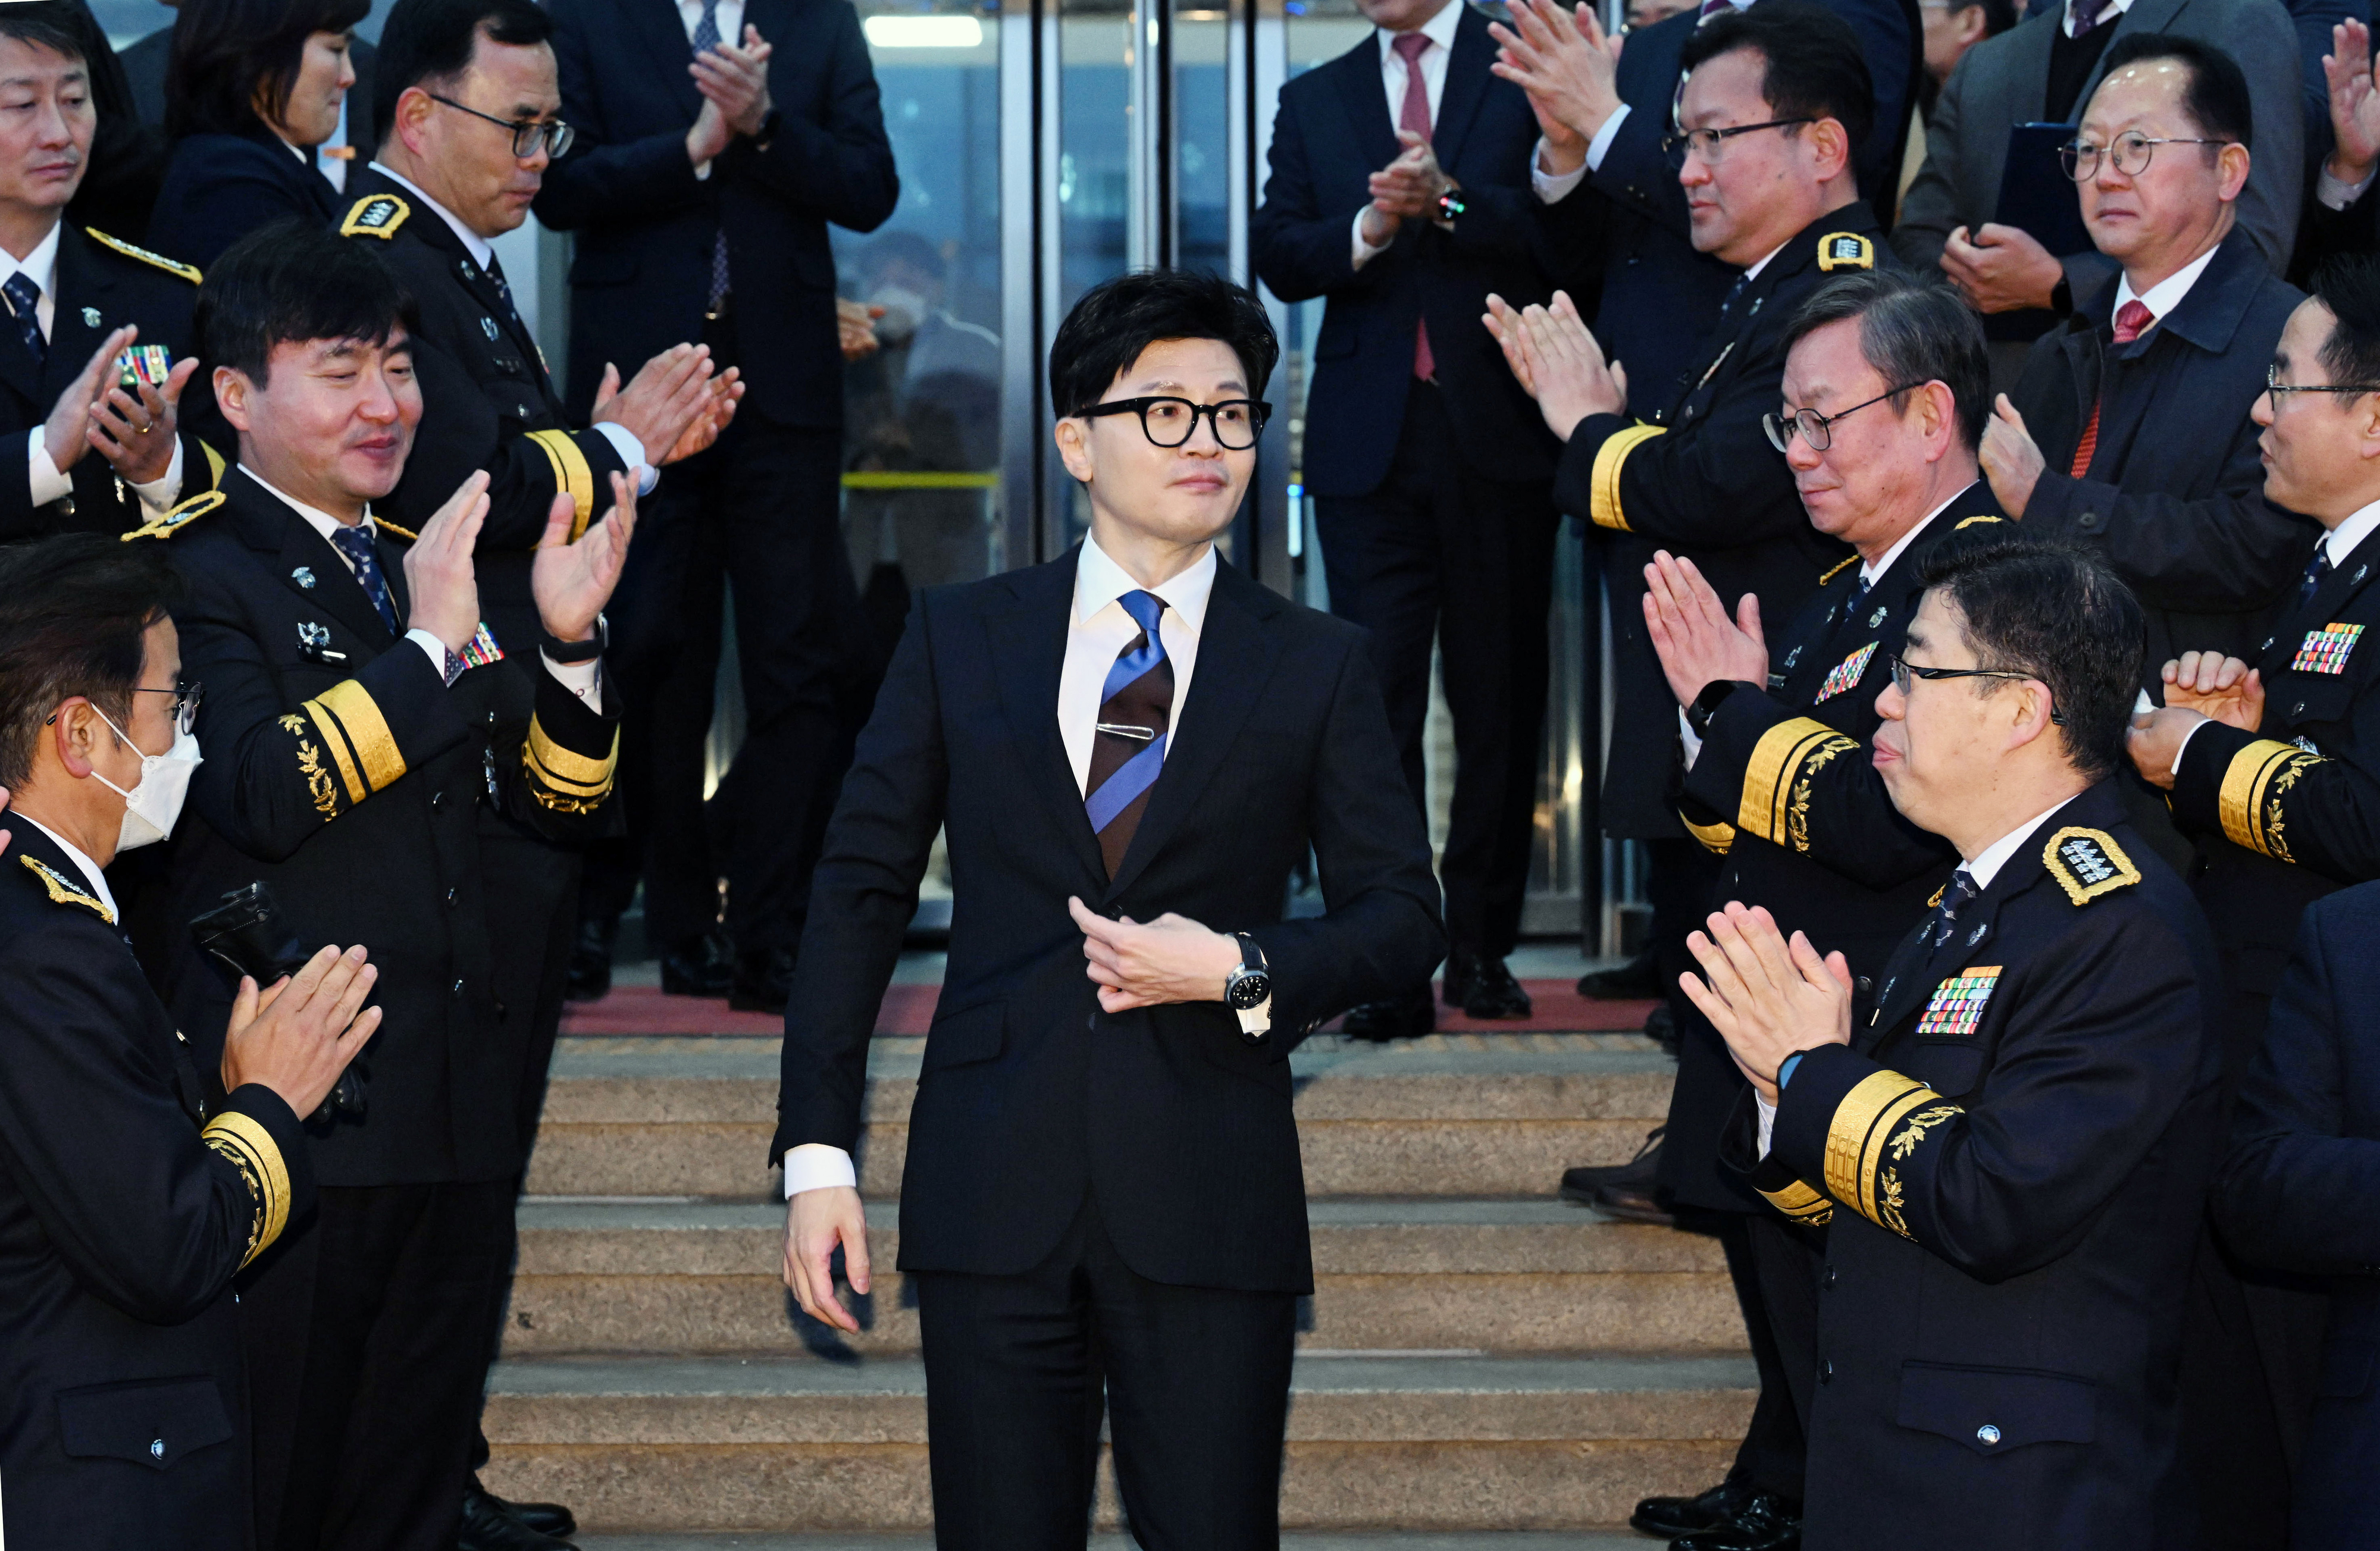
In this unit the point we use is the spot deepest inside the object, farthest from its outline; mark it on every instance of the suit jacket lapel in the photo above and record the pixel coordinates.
(1026, 636)
(662, 37)
(1466, 86)
(1366, 101)
(267, 523)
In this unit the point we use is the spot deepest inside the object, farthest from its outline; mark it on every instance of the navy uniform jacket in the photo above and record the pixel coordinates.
(487, 400)
(220, 187)
(1030, 1096)
(2301, 1190)
(2013, 1152)
(1702, 479)
(1771, 756)
(102, 285)
(645, 224)
(127, 1203)
(2175, 492)
(1332, 132)
(351, 785)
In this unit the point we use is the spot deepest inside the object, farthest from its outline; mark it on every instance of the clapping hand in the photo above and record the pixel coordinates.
(1557, 361)
(2354, 105)
(2012, 459)
(737, 80)
(1768, 999)
(666, 398)
(66, 434)
(134, 432)
(1569, 68)
(573, 580)
(298, 1034)
(854, 325)
(439, 571)
(1698, 644)
(1407, 189)
(2199, 686)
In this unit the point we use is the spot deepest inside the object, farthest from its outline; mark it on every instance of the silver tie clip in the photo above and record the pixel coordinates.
(1124, 730)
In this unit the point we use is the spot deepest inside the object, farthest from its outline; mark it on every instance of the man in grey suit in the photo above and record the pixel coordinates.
(2041, 71)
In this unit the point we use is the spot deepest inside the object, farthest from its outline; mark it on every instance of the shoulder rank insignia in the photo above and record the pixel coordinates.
(177, 516)
(64, 892)
(1845, 675)
(1958, 1003)
(155, 261)
(1982, 516)
(2324, 650)
(1842, 250)
(1831, 571)
(376, 215)
(2088, 862)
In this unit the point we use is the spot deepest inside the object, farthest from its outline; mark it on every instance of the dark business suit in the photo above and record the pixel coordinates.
(1432, 499)
(765, 501)
(220, 187)
(128, 1199)
(1154, 1151)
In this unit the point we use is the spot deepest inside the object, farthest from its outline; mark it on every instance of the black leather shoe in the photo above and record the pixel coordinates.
(1637, 978)
(702, 966)
(1672, 1517)
(1766, 1523)
(1661, 1028)
(486, 1527)
(591, 961)
(1405, 1017)
(1633, 1203)
(763, 981)
(546, 1519)
(1580, 1184)
(1489, 988)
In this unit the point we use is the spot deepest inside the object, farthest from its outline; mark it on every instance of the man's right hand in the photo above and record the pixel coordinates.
(2354, 105)
(710, 135)
(1569, 68)
(1698, 644)
(2002, 268)
(298, 1037)
(2224, 688)
(660, 401)
(816, 1221)
(437, 568)
(65, 435)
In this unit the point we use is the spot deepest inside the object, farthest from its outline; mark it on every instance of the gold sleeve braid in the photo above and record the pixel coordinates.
(1603, 481)
(2249, 800)
(1714, 838)
(1802, 1204)
(1862, 1147)
(1776, 801)
(363, 749)
(248, 1148)
(562, 781)
(573, 476)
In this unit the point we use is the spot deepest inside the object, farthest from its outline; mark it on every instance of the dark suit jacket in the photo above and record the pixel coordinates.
(2300, 1190)
(645, 224)
(1333, 130)
(1031, 1095)
(127, 1202)
(144, 72)
(220, 187)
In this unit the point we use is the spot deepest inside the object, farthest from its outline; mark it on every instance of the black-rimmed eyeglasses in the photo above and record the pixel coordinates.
(1903, 673)
(1705, 143)
(2130, 154)
(2275, 386)
(187, 694)
(528, 133)
(1167, 422)
(1816, 429)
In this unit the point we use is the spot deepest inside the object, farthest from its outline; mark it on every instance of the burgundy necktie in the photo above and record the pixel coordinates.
(2133, 321)
(1414, 116)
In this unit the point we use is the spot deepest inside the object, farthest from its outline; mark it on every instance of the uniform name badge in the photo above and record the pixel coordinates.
(1958, 1004)
(1845, 675)
(2324, 650)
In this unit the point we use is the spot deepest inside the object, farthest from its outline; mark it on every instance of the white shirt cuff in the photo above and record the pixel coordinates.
(2338, 195)
(1686, 735)
(2184, 748)
(816, 1166)
(1553, 187)
(1365, 251)
(48, 483)
(159, 493)
(433, 646)
(632, 452)
(1600, 147)
(1768, 1122)
(582, 678)
(702, 172)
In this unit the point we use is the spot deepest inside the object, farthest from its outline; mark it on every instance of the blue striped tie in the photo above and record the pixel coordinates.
(1136, 712)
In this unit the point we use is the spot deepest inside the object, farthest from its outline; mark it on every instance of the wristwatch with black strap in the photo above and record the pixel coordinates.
(1248, 991)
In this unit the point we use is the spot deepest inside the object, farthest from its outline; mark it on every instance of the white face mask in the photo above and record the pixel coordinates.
(155, 800)
(904, 311)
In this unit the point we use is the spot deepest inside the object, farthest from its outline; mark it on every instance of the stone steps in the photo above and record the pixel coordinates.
(1443, 1443)
(1385, 1540)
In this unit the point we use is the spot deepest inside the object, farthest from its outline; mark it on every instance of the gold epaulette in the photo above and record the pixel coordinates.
(64, 892)
(375, 215)
(177, 516)
(155, 261)
(242, 1142)
(2088, 862)
(1980, 516)
(1835, 570)
(1863, 1149)
(2249, 802)
(1776, 802)
(1839, 251)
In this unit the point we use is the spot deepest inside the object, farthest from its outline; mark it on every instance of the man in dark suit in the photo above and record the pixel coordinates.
(701, 196)
(1399, 192)
(361, 710)
(132, 1187)
(2010, 1139)
(1102, 1175)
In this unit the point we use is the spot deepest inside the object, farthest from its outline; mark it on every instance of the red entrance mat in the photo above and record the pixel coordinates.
(643, 1011)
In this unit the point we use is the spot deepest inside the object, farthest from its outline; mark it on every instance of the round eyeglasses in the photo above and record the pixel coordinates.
(528, 133)
(2129, 155)
(1167, 422)
(1705, 143)
(1816, 429)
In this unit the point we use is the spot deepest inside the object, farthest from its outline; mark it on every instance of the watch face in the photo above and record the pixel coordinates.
(1249, 990)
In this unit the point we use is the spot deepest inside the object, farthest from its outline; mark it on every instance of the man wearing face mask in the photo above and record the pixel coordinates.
(132, 1186)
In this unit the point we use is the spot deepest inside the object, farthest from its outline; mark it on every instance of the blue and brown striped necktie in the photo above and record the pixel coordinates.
(1135, 711)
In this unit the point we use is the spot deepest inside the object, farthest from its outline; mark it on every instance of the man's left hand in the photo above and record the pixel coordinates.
(1171, 959)
(727, 392)
(2002, 268)
(2155, 742)
(135, 435)
(1557, 361)
(2011, 460)
(1767, 998)
(737, 80)
(1698, 642)
(573, 581)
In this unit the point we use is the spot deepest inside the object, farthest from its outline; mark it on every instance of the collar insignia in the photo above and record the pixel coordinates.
(488, 326)
(91, 317)
(376, 215)
(2325, 650)
(2088, 862)
(1793, 657)
(1847, 673)
(1845, 250)
(2307, 744)
(2357, 579)
(1958, 1003)
(1875, 619)
(303, 576)
(1977, 935)
(64, 892)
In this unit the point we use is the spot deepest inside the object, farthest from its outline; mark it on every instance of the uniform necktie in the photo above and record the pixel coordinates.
(2133, 321)
(24, 299)
(356, 545)
(1945, 919)
(1136, 712)
(706, 38)
(1414, 116)
(505, 293)
(1711, 9)
(2316, 569)
(2086, 14)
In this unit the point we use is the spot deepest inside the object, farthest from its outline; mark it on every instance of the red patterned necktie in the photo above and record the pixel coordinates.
(1128, 752)
(1414, 116)
(2133, 321)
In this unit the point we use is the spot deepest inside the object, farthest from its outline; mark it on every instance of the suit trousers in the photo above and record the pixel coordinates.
(366, 1341)
(1442, 554)
(1775, 1268)
(1196, 1382)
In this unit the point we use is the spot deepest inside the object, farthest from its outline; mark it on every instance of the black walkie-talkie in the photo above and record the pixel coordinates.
(248, 933)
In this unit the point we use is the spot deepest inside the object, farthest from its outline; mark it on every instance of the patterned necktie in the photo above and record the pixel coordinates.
(1945, 919)
(2086, 15)
(1711, 9)
(24, 297)
(1414, 116)
(356, 545)
(505, 293)
(706, 38)
(1135, 711)
(2133, 321)
(2316, 570)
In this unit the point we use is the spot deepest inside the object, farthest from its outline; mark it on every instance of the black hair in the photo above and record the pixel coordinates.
(56, 25)
(1911, 331)
(2059, 613)
(1118, 319)
(294, 281)
(2349, 286)
(1998, 15)
(73, 610)
(2216, 98)
(431, 43)
(1814, 67)
(231, 57)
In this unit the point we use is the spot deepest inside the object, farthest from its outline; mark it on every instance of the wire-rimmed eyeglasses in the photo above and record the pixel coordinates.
(1169, 421)
(2275, 386)
(1705, 143)
(526, 132)
(1816, 429)
(2130, 154)
(1903, 673)
(186, 694)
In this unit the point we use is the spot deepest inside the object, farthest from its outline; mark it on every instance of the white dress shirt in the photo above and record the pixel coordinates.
(1097, 630)
(88, 868)
(48, 483)
(1439, 29)
(2166, 295)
